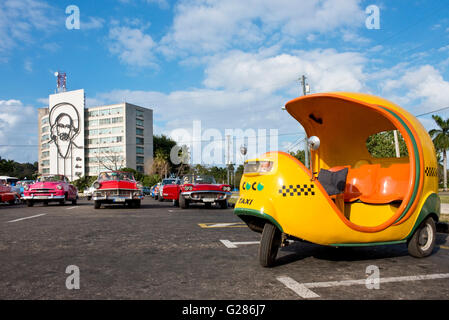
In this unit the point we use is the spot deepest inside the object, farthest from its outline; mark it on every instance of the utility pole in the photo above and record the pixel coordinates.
(228, 137)
(396, 143)
(305, 90)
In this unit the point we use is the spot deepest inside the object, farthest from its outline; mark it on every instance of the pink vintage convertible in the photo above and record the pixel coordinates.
(52, 187)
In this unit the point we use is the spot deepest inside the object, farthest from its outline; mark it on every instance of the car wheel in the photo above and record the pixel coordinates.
(160, 199)
(183, 202)
(269, 245)
(137, 203)
(97, 204)
(74, 201)
(89, 198)
(176, 203)
(422, 243)
(30, 203)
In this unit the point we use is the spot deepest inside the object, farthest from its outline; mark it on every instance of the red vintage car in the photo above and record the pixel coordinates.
(198, 189)
(117, 187)
(50, 188)
(7, 194)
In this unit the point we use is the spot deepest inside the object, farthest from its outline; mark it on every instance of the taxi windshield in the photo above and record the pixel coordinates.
(118, 176)
(51, 178)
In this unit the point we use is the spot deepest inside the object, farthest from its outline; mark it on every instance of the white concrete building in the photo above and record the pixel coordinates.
(76, 141)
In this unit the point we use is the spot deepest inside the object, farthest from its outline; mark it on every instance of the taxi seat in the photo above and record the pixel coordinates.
(370, 183)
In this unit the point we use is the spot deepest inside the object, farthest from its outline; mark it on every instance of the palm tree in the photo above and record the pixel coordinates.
(440, 138)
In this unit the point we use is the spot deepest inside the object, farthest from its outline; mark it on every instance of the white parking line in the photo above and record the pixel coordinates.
(71, 208)
(37, 215)
(232, 245)
(303, 289)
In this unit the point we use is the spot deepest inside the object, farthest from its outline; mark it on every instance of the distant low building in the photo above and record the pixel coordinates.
(76, 141)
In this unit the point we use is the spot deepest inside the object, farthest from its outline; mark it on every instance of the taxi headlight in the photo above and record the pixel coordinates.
(59, 187)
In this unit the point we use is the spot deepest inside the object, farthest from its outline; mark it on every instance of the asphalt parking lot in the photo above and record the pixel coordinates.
(162, 252)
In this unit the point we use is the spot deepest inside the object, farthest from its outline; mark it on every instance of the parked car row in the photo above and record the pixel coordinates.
(116, 187)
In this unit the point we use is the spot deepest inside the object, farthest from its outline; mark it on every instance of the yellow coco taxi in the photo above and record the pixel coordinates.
(348, 197)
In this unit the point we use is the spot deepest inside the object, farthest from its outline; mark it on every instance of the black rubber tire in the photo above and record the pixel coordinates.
(160, 199)
(89, 198)
(183, 202)
(30, 203)
(136, 203)
(223, 204)
(425, 232)
(97, 204)
(269, 245)
(176, 203)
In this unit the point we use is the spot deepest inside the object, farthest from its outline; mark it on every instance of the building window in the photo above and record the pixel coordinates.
(116, 110)
(139, 150)
(45, 162)
(45, 154)
(139, 140)
(45, 137)
(92, 123)
(93, 113)
(139, 131)
(117, 120)
(139, 122)
(44, 120)
(47, 170)
(105, 121)
(45, 146)
(139, 113)
(140, 169)
(45, 129)
(139, 160)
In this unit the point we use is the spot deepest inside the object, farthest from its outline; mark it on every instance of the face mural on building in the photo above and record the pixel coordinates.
(64, 127)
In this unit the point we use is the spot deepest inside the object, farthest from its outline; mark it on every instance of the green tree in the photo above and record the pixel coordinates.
(440, 138)
(381, 145)
(300, 155)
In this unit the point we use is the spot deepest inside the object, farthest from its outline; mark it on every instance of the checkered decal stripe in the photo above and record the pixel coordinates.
(431, 172)
(297, 190)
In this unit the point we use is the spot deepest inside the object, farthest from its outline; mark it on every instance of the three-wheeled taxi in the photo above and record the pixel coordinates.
(348, 197)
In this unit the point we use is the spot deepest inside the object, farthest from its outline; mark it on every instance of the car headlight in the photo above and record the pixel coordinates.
(59, 187)
(97, 185)
(26, 188)
(226, 188)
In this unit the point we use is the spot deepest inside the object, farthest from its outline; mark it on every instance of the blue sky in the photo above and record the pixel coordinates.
(230, 64)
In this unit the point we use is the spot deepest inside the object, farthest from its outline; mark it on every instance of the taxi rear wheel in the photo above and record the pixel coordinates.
(422, 242)
(269, 245)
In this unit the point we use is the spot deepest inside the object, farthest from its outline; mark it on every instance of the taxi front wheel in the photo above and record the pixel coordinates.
(269, 245)
(422, 242)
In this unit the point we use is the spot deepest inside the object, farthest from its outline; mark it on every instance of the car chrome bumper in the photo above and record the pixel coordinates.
(190, 195)
(51, 197)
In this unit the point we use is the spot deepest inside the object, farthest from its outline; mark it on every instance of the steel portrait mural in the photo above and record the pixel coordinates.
(64, 122)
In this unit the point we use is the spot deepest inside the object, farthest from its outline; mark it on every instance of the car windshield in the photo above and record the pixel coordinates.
(168, 181)
(117, 176)
(198, 179)
(51, 178)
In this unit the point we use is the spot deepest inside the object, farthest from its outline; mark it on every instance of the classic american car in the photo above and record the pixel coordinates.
(7, 194)
(50, 188)
(117, 187)
(198, 189)
(165, 182)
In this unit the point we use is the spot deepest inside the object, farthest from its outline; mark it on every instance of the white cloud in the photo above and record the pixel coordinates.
(92, 23)
(211, 25)
(133, 46)
(28, 65)
(18, 19)
(327, 70)
(18, 131)
(423, 87)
